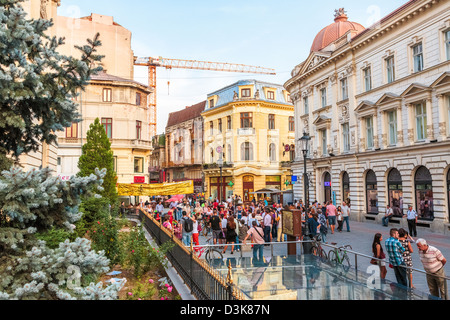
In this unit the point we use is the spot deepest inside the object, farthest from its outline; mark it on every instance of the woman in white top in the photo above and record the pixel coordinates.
(195, 232)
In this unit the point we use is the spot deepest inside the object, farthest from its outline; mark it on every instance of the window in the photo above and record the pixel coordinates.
(371, 193)
(345, 186)
(346, 136)
(107, 123)
(246, 151)
(390, 69)
(270, 95)
(424, 193)
(448, 111)
(220, 125)
(421, 121)
(447, 44)
(138, 165)
(291, 124)
(392, 123)
(229, 123)
(306, 105)
(272, 152)
(418, 57)
(211, 128)
(344, 88)
(107, 95)
(138, 130)
(245, 93)
(323, 97)
(395, 186)
(368, 79)
(229, 151)
(323, 135)
(211, 103)
(271, 121)
(72, 132)
(369, 132)
(138, 99)
(246, 120)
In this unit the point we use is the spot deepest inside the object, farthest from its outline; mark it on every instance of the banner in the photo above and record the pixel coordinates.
(160, 189)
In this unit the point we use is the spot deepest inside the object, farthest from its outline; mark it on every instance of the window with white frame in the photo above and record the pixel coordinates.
(272, 152)
(247, 151)
(368, 79)
(392, 123)
(323, 135)
(447, 43)
(344, 88)
(346, 136)
(306, 105)
(323, 97)
(418, 57)
(369, 132)
(448, 112)
(390, 69)
(421, 121)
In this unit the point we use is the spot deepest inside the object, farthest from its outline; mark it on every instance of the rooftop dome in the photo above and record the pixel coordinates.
(335, 30)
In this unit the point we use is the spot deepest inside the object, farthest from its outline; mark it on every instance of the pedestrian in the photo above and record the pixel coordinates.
(339, 218)
(267, 223)
(313, 225)
(187, 227)
(243, 228)
(195, 240)
(395, 251)
(256, 233)
(411, 216)
(323, 226)
(231, 234)
(224, 223)
(331, 215)
(406, 240)
(378, 253)
(216, 227)
(387, 216)
(433, 262)
(346, 214)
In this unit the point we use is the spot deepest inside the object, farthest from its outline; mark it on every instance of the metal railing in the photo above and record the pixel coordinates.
(205, 282)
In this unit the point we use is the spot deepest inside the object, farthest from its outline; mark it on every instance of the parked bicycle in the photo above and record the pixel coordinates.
(339, 256)
(210, 253)
(317, 249)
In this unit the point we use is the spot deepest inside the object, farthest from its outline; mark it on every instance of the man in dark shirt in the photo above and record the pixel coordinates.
(216, 226)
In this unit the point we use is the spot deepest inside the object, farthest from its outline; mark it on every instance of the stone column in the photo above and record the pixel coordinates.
(443, 117)
(430, 126)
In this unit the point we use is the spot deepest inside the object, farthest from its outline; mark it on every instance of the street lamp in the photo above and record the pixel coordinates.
(304, 146)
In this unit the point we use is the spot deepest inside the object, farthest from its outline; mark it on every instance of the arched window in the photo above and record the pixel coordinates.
(371, 193)
(395, 186)
(424, 193)
(272, 152)
(229, 158)
(246, 151)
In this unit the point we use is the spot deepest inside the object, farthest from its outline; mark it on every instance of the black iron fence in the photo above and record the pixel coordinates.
(203, 280)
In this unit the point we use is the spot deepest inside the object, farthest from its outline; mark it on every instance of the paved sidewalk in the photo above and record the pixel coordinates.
(361, 238)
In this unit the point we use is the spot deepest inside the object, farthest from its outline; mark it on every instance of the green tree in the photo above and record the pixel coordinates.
(97, 153)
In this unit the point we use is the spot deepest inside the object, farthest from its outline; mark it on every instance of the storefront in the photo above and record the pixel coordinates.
(371, 193)
(327, 186)
(423, 183)
(224, 186)
(395, 186)
(346, 187)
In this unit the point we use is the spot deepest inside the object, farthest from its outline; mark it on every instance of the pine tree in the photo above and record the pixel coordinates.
(37, 86)
(97, 153)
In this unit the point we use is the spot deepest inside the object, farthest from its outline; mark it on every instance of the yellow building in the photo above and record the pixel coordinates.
(250, 126)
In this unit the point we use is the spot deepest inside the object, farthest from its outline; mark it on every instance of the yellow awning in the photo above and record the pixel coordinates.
(160, 189)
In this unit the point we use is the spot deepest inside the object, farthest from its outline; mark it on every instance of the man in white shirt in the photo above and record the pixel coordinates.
(346, 215)
(411, 216)
(387, 216)
(433, 262)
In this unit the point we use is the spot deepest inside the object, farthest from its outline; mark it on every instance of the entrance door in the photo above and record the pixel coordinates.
(327, 186)
(248, 187)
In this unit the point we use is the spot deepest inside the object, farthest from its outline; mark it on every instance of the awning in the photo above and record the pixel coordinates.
(267, 191)
(160, 189)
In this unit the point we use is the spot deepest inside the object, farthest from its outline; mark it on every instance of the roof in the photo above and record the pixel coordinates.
(103, 76)
(186, 114)
(335, 31)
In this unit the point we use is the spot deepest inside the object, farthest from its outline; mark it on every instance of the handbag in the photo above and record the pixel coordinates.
(374, 261)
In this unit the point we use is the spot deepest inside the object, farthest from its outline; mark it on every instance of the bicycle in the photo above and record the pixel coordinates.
(206, 227)
(211, 254)
(340, 257)
(317, 249)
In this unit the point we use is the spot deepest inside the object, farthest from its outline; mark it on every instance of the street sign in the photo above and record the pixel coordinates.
(219, 149)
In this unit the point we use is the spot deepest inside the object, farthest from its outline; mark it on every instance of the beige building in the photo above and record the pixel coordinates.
(376, 102)
(250, 126)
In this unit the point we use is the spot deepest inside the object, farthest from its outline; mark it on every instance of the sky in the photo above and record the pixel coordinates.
(264, 33)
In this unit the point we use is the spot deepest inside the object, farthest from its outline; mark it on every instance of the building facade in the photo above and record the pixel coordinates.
(157, 159)
(376, 102)
(184, 146)
(249, 125)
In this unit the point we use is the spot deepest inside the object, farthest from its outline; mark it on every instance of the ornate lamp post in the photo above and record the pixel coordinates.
(304, 145)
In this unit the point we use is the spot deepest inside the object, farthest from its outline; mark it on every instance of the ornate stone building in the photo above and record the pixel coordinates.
(376, 102)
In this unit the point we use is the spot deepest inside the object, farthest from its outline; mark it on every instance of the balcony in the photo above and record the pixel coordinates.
(216, 166)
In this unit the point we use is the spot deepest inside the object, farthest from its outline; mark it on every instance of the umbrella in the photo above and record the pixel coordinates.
(176, 198)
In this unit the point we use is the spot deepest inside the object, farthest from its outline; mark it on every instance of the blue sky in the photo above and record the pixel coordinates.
(271, 34)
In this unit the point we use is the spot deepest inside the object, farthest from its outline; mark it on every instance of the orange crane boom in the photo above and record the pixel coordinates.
(153, 63)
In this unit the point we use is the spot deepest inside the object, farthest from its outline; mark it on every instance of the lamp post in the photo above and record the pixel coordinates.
(304, 144)
(220, 163)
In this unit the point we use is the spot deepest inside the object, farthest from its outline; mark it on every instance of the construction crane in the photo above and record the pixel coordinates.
(153, 63)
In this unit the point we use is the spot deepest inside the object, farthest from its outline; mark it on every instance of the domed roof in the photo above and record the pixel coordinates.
(335, 30)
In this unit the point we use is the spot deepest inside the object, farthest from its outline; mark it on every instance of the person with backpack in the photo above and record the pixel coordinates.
(257, 235)
(187, 227)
